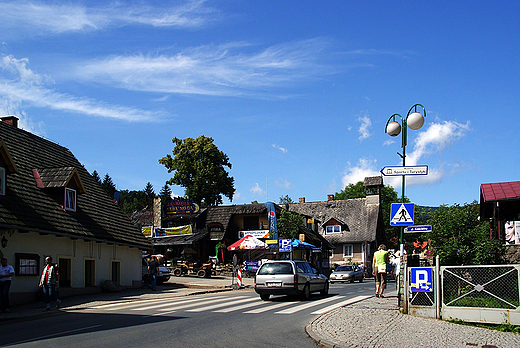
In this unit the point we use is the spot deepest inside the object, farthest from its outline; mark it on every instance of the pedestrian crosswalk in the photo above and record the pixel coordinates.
(230, 302)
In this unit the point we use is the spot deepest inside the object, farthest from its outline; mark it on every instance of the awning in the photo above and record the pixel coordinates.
(247, 243)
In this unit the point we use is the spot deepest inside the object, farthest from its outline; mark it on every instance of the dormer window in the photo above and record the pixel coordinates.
(333, 229)
(70, 199)
(2, 181)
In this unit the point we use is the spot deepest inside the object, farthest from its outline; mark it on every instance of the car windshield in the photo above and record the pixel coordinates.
(276, 268)
(344, 269)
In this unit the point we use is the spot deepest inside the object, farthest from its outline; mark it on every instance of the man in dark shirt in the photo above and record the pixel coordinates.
(153, 269)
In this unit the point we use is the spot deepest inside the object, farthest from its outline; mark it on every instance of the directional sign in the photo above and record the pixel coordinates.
(401, 214)
(421, 279)
(284, 245)
(415, 229)
(410, 170)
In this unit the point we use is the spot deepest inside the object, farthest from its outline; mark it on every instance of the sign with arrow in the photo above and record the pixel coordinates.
(418, 228)
(410, 170)
(401, 214)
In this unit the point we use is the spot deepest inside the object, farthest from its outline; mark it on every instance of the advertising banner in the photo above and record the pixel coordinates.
(173, 231)
(180, 205)
(256, 234)
(147, 231)
(512, 229)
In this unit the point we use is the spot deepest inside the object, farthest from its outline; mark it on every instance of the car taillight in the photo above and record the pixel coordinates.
(254, 281)
(295, 280)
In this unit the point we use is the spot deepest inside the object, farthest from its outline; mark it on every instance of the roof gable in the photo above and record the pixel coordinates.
(500, 191)
(6, 156)
(58, 177)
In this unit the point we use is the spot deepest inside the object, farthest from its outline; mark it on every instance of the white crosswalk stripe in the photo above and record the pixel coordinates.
(246, 303)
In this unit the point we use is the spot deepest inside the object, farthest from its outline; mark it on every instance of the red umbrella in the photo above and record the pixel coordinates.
(247, 243)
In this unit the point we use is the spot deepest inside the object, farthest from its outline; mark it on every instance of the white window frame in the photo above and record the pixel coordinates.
(334, 229)
(351, 247)
(2, 181)
(70, 202)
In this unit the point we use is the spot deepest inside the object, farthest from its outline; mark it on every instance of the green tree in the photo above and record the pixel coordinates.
(165, 194)
(96, 177)
(199, 167)
(149, 194)
(459, 238)
(108, 186)
(388, 196)
(288, 224)
(285, 200)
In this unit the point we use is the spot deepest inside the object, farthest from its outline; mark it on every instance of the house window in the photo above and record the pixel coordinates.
(115, 271)
(2, 181)
(251, 223)
(348, 250)
(70, 199)
(90, 273)
(27, 264)
(333, 229)
(65, 265)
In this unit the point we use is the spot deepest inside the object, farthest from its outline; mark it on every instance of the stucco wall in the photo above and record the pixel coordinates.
(24, 288)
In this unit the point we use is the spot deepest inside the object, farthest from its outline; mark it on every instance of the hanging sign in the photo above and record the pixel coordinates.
(180, 205)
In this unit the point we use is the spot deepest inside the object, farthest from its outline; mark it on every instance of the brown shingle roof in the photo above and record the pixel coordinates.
(27, 207)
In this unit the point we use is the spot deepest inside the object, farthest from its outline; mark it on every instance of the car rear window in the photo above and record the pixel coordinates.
(344, 268)
(276, 268)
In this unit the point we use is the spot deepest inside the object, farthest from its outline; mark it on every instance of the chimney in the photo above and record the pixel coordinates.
(330, 198)
(10, 120)
(301, 200)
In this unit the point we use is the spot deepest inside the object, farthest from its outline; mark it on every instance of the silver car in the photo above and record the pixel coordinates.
(287, 277)
(347, 273)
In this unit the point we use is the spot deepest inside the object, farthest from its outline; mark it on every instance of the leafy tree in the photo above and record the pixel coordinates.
(131, 201)
(96, 177)
(285, 200)
(199, 168)
(288, 224)
(254, 202)
(459, 238)
(165, 194)
(108, 186)
(388, 196)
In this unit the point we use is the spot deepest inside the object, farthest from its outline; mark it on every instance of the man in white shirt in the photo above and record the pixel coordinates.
(6, 272)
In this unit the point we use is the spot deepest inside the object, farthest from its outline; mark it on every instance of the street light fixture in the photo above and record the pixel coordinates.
(415, 120)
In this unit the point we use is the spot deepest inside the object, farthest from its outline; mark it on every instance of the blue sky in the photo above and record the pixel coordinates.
(296, 93)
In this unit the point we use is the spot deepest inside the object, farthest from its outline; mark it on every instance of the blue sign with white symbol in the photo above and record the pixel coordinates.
(284, 245)
(401, 214)
(415, 229)
(421, 279)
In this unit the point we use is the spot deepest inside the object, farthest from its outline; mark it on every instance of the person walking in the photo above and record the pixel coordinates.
(380, 260)
(49, 282)
(6, 272)
(153, 269)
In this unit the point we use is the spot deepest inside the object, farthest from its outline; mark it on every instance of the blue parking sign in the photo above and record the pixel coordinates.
(421, 279)
(284, 245)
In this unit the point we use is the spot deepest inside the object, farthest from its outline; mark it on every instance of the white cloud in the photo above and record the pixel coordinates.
(364, 128)
(24, 86)
(389, 142)
(212, 70)
(283, 183)
(257, 190)
(364, 168)
(35, 18)
(284, 150)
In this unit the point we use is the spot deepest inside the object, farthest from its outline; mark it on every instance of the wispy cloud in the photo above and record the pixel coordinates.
(364, 128)
(365, 167)
(283, 149)
(21, 85)
(283, 183)
(38, 18)
(257, 190)
(229, 69)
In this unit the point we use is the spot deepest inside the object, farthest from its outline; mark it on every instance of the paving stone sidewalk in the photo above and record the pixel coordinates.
(377, 322)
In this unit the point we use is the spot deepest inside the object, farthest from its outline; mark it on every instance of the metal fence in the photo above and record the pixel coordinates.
(489, 293)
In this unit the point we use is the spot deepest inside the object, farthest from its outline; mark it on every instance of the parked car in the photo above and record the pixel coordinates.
(347, 273)
(163, 276)
(287, 277)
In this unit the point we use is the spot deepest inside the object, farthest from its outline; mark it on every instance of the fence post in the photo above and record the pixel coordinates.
(437, 287)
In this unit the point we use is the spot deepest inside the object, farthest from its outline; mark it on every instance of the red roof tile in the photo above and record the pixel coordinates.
(500, 191)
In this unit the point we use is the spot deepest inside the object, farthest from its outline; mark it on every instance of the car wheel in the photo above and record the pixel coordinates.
(352, 280)
(177, 272)
(361, 279)
(147, 279)
(201, 273)
(265, 297)
(325, 290)
(306, 292)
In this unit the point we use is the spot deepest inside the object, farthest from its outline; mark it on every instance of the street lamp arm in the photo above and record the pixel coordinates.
(414, 107)
(392, 118)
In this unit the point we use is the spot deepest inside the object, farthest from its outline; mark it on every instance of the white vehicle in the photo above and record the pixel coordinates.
(162, 276)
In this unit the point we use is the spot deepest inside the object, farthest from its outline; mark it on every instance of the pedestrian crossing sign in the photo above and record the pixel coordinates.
(401, 214)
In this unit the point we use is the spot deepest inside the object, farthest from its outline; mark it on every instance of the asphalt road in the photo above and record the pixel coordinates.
(228, 319)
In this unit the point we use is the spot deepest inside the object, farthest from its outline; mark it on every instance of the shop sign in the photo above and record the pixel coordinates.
(180, 205)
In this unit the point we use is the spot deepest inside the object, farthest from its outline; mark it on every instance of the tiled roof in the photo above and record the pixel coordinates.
(27, 207)
(500, 191)
(361, 219)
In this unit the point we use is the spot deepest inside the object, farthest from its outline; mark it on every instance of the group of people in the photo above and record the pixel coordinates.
(49, 282)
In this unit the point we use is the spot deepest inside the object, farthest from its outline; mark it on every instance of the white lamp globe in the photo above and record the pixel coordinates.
(415, 120)
(393, 129)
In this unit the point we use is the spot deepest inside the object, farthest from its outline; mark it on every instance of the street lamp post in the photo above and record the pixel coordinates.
(415, 120)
